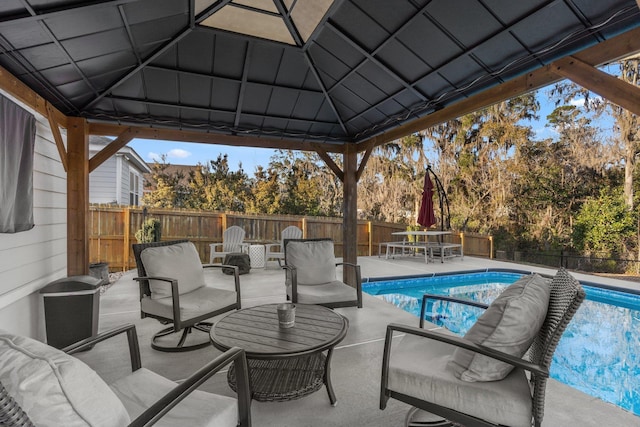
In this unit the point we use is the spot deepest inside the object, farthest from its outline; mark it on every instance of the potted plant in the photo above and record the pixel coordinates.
(149, 232)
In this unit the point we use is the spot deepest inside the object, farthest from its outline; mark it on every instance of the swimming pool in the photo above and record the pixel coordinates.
(598, 354)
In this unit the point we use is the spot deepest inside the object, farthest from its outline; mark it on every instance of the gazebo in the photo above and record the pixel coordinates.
(335, 77)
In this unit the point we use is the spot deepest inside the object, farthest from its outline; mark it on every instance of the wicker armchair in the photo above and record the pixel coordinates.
(310, 267)
(41, 385)
(513, 400)
(172, 290)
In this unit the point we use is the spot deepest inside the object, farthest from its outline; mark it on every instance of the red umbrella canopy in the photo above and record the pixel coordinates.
(426, 216)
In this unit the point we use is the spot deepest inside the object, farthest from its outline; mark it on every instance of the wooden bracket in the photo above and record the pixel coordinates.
(589, 77)
(57, 136)
(329, 161)
(112, 148)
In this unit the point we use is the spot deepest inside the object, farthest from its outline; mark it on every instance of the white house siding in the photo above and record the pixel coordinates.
(31, 259)
(102, 185)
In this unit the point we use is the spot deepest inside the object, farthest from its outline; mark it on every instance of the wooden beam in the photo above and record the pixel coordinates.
(214, 138)
(10, 84)
(363, 162)
(350, 216)
(329, 161)
(77, 197)
(604, 52)
(57, 136)
(612, 88)
(112, 148)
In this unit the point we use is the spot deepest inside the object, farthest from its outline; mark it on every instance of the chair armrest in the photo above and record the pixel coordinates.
(175, 396)
(175, 297)
(358, 280)
(132, 338)
(425, 297)
(213, 246)
(468, 345)
(269, 247)
(236, 277)
(293, 275)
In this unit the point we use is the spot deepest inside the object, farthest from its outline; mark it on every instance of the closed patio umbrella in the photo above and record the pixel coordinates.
(426, 216)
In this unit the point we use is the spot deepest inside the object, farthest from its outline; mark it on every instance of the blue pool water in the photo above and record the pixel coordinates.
(598, 354)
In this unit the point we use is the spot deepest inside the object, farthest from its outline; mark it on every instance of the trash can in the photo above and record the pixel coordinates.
(71, 309)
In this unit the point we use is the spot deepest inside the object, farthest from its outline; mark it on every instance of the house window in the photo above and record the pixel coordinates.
(134, 189)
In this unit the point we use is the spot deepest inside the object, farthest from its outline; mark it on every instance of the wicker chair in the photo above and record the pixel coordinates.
(310, 267)
(185, 303)
(276, 250)
(55, 388)
(474, 400)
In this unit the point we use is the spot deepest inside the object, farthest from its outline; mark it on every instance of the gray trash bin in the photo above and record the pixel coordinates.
(71, 309)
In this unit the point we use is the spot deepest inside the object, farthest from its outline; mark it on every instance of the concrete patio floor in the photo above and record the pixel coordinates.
(355, 368)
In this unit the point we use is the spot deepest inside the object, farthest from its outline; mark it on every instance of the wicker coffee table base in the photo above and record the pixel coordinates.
(281, 380)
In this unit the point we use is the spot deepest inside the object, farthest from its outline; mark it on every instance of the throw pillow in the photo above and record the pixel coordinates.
(510, 325)
(180, 261)
(54, 388)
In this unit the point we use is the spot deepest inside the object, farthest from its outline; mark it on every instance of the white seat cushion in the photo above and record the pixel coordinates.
(180, 261)
(193, 304)
(419, 367)
(54, 388)
(509, 325)
(335, 291)
(143, 388)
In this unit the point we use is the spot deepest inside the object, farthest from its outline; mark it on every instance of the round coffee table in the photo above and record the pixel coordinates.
(284, 364)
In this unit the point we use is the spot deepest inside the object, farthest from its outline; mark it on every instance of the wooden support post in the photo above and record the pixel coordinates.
(77, 197)
(304, 228)
(350, 215)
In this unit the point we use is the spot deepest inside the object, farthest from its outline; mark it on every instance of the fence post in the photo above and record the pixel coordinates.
(490, 247)
(304, 227)
(370, 231)
(126, 237)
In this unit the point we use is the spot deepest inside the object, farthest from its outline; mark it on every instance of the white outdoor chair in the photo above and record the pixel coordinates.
(232, 241)
(276, 250)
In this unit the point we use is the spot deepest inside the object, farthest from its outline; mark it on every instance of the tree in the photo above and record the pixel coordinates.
(605, 226)
(168, 190)
(215, 187)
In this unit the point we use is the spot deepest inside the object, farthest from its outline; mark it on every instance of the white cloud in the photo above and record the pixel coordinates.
(154, 157)
(178, 153)
(579, 102)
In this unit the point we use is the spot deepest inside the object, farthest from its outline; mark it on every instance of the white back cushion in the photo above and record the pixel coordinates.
(510, 325)
(180, 261)
(314, 261)
(56, 389)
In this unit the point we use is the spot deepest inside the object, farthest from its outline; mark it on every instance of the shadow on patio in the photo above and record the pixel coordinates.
(356, 363)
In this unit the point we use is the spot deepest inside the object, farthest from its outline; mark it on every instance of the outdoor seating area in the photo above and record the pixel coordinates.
(356, 362)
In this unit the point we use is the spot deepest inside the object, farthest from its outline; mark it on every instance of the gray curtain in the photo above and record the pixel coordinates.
(17, 139)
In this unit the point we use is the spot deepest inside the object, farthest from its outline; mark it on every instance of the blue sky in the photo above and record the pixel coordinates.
(182, 153)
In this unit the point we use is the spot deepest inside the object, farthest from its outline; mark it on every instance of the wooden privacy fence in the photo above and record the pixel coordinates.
(112, 231)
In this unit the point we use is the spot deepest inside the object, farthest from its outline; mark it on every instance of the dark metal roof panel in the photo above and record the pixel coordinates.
(372, 65)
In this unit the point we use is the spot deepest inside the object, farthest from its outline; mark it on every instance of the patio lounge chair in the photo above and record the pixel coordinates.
(276, 250)
(310, 266)
(43, 386)
(481, 380)
(173, 290)
(232, 241)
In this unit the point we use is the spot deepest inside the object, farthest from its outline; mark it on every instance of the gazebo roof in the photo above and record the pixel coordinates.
(321, 71)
